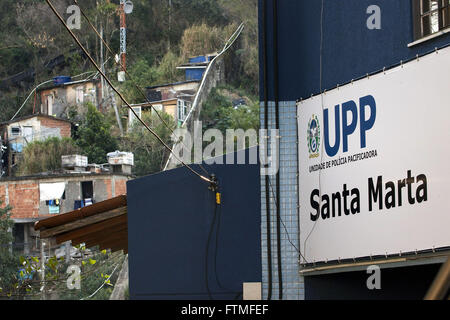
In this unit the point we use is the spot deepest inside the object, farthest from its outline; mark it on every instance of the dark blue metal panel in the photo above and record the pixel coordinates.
(169, 220)
(350, 49)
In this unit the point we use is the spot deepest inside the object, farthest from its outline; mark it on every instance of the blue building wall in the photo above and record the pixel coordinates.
(350, 50)
(320, 44)
(170, 215)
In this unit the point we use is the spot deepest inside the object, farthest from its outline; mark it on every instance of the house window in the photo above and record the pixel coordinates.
(430, 16)
(187, 107)
(132, 118)
(180, 106)
(15, 131)
(183, 109)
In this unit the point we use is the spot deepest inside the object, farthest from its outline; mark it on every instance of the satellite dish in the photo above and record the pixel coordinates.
(128, 7)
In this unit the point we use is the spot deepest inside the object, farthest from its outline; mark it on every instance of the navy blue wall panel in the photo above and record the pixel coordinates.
(169, 220)
(350, 50)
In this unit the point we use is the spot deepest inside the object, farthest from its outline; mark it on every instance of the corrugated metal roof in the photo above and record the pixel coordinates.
(103, 224)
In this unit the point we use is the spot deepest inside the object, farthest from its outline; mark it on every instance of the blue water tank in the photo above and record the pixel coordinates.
(198, 59)
(61, 80)
(194, 74)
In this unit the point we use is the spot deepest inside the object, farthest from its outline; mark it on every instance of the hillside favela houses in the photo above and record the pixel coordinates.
(76, 184)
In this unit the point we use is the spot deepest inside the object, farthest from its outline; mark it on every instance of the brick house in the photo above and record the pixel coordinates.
(34, 198)
(17, 133)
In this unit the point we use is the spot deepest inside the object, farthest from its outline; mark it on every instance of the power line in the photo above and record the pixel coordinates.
(284, 225)
(121, 96)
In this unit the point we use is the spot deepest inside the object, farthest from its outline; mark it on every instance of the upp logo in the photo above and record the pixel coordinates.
(349, 115)
(313, 137)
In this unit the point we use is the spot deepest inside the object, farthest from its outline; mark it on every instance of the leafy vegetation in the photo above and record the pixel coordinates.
(94, 136)
(149, 154)
(44, 156)
(218, 111)
(9, 262)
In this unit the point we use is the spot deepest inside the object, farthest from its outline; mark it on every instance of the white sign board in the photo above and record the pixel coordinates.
(374, 158)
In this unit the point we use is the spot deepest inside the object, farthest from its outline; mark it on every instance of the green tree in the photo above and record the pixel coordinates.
(149, 154)
(9, 262)
(94, 136)
(218, 111)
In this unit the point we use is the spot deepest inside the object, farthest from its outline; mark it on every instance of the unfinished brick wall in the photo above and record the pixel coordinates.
(23, 198)
(65, 127)
(109, 188)
(121, 186)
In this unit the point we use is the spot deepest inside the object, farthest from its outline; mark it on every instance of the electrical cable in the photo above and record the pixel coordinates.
(103, 284)
(121, 96)
(266, 126)
(217, 216)
(207, 252)
(140, 90)
(286, 230)
(277, 125)
(40, 85)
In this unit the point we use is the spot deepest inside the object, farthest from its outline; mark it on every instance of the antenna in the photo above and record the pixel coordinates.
(126, 7)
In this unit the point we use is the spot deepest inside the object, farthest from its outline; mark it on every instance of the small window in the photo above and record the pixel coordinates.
(187, 108)
(132, 118)
(182, 107)
(430, 16)
(15, 131)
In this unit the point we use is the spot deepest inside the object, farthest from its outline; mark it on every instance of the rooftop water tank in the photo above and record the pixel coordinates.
(61, 80)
